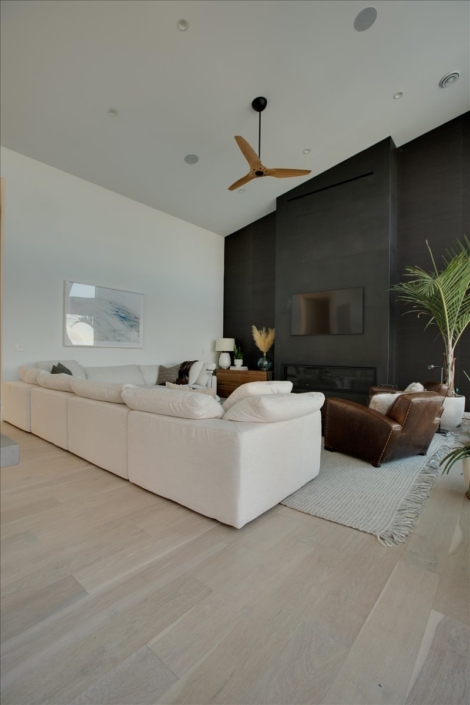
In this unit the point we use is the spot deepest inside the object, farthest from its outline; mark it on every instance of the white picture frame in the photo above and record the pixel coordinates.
(102, 317)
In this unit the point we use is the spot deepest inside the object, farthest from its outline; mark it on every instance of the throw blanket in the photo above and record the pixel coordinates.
(183, 374)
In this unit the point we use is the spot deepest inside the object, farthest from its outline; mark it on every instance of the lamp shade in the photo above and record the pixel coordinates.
(224, 344)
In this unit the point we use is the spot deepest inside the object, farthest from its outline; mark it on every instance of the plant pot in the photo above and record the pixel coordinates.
(238, 363)
(452, 415)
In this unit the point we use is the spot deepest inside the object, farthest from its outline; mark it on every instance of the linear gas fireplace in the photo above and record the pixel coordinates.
(345, 382)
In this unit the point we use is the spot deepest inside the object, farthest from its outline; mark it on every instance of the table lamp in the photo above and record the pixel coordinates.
(224, 346)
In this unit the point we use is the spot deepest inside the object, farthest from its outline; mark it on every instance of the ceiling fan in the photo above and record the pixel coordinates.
(254, 160)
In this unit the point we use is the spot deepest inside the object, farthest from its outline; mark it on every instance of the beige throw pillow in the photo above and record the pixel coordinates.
(167, 374)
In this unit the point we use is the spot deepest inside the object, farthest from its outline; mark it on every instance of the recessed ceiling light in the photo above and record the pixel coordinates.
(307, 151)
(449, 79)
(112, 111)
(397, 96)
(241, 190)
(365, 19)
(191, 159)
(182, 25)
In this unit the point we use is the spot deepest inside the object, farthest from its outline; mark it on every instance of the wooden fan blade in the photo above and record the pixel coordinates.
(241, 182)
(286, 173)
(247, 151)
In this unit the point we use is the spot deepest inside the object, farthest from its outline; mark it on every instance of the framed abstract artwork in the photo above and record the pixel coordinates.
(95, 316)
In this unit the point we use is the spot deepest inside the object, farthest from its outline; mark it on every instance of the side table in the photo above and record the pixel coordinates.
(229, 380)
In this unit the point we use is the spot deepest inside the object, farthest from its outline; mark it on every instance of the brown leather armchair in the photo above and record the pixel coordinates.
(438, 387)
(406, 430)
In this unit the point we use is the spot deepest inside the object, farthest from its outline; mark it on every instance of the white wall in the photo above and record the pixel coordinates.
(59, 227)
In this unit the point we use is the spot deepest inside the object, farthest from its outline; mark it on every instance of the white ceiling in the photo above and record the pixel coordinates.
(330, 89)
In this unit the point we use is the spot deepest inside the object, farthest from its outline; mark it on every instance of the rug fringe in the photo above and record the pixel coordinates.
(412, 505)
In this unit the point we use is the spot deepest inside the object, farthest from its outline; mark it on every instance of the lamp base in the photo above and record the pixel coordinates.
(225, 360)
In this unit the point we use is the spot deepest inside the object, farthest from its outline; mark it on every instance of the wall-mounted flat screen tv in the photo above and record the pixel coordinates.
(337, 312)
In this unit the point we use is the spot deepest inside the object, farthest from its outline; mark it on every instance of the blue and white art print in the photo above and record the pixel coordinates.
(102, 318)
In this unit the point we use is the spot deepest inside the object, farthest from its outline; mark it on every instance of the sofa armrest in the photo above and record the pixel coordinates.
(356, 430)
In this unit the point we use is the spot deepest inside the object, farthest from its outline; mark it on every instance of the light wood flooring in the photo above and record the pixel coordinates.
(113, 595)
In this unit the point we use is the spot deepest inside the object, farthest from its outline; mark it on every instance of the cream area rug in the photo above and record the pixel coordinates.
(385, 501)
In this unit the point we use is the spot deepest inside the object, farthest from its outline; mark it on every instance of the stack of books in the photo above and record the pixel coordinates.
(240, 369)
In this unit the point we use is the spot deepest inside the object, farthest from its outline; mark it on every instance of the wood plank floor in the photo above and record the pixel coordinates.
(113, 595)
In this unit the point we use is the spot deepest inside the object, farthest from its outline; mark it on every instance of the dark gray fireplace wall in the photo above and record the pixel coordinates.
(336, 231)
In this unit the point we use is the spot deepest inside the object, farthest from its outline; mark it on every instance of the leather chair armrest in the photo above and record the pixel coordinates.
(356, 430)
(401, 408)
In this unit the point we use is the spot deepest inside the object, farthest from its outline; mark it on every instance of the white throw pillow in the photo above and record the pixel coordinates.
(252, 389)
(170, 402)
(195, 371)
(30, 374)
(270, 408)
(206, 373)
(415, 387)
(60, 382)
(100, 391)
(383, 402)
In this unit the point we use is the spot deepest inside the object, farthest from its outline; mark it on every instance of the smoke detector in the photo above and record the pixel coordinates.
(449, 79)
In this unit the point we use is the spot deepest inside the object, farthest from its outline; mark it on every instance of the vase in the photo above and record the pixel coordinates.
(265, 363)
(238, 363)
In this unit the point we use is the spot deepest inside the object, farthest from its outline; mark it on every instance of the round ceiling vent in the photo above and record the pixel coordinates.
(449, 79)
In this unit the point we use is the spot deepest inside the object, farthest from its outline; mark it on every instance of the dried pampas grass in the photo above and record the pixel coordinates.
(263, 338)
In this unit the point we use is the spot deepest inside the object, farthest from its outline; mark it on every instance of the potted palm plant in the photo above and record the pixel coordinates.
(443, 297)
(461, 453)
(238, 356)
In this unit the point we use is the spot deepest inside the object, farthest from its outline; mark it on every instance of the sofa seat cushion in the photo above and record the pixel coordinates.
(171, 402)
(16, 404)
(275, 407)
(100, 391)
(30, 374)
(49, 415)
(252, 389)
(60, 382)
(75, 368)
(124, 374)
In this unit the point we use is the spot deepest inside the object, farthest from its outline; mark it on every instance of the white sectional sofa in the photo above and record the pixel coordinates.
(230, 470)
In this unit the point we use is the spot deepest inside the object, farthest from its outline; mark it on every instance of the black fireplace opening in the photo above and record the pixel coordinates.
(344, 382)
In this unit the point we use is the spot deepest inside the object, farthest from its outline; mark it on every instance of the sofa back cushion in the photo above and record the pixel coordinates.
(75, 368)
(30, 374)
(171, 402)
(60, 382)
(124, 374)
(100, 391)
(270, 408)
(149, 373)
(252, 389)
